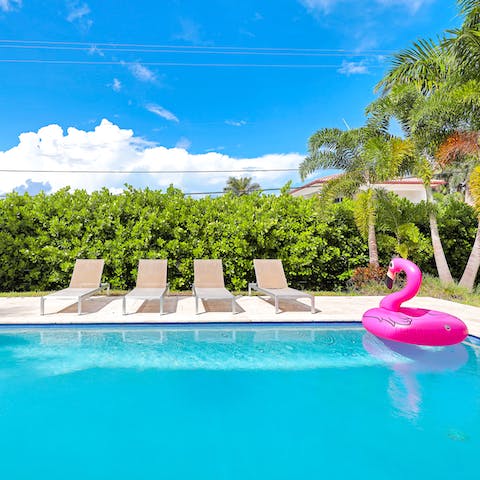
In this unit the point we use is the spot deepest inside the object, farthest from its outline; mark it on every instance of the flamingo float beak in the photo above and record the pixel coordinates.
(390, 277)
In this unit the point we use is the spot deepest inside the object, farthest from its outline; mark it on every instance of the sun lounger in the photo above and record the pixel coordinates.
(208, 282)
(271, 280)
(151, 283)
(85, 282)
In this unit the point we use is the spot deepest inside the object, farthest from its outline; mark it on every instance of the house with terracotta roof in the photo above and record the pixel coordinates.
(410, 187)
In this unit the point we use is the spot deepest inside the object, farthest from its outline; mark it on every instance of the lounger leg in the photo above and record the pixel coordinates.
(313, 304)
(277, 310)
(42, 305)
(161, 305)
(79, 311)
(124, 306)
(196, 305)
(233, 306)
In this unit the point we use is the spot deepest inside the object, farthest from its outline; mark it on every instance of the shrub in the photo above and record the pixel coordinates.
(364, 276)
(42, 235)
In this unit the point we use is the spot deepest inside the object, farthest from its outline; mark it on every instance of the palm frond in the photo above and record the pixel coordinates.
(424, 65)
(364, 211)
(467, 7)
(333, 148)
(345, 185)
(323, 159)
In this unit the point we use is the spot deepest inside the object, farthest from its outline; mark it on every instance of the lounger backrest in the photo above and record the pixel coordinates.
(87, 273)
(152, 273)
(270, 273)
(208, 274)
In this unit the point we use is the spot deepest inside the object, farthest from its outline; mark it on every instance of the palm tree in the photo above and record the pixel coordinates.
(464, 42)
(429, 64)
(422, 120)
(473, 264)
(433, 89)
(366, 157)
(461, 146)
(399, 216)
(241, 186)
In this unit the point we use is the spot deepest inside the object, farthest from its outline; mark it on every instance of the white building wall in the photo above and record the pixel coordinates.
(413, 192)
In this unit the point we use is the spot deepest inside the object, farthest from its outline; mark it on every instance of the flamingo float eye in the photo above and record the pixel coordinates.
(391, 265)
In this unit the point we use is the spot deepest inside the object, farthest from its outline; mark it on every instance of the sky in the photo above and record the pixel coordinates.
(188, 92)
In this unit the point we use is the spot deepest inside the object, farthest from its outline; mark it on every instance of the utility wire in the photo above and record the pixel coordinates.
(276, 189)
(177, 64)
(183, 49)
(199, 52)
(258, 170)
(194, 47)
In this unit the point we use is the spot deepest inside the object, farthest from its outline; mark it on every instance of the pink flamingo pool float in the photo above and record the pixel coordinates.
(417, 326)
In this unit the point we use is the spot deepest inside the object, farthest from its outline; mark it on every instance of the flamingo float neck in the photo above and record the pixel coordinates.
(394, 301)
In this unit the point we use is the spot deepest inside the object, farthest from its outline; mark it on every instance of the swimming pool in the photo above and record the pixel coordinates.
(235, 403)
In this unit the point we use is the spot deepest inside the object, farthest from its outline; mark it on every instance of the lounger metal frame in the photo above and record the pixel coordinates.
(276, 296)
(147, 294)
(216, 293)
(79, 296)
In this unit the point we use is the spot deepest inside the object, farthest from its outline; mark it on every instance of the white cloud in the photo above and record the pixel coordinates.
(184, 143)
(319, 5)
(236, 123)
(412, 5)
(190, 32)
(142, 73)
(325, 6)
(116, 85)
(108, 147)
(78, 13)
(353, 68)
(10, 5)
(162, 112)
(95, 50)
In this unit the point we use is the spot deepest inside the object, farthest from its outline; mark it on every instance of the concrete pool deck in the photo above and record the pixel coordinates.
(181, 309)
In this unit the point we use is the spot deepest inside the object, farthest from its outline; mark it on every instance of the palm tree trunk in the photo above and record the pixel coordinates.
(438, 253)
(473, 264)
(372, 245)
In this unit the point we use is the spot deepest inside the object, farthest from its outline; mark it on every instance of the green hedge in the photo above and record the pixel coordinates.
(42, 235)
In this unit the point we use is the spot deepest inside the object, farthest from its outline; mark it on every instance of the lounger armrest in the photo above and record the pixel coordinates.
(106, 286)
(252, 285)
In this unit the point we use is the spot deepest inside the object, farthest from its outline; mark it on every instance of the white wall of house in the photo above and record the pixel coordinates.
(415, 192)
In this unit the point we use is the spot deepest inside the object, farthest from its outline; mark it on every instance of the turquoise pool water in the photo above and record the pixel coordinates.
(245, 403)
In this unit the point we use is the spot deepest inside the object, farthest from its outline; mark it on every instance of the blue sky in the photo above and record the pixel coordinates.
(189, 85)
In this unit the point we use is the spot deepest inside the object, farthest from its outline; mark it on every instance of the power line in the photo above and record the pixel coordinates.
(193, 47)
(257, 170)
(200, 52)
(177, 64)
(276, 189)
(189, 50)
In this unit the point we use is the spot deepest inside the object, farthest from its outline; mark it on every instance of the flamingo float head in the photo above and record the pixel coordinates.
(393, 269)
(397, 264)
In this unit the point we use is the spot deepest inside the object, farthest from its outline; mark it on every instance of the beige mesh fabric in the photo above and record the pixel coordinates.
(270, 273)
(208, 274)
(152, 273)
(87, 273)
